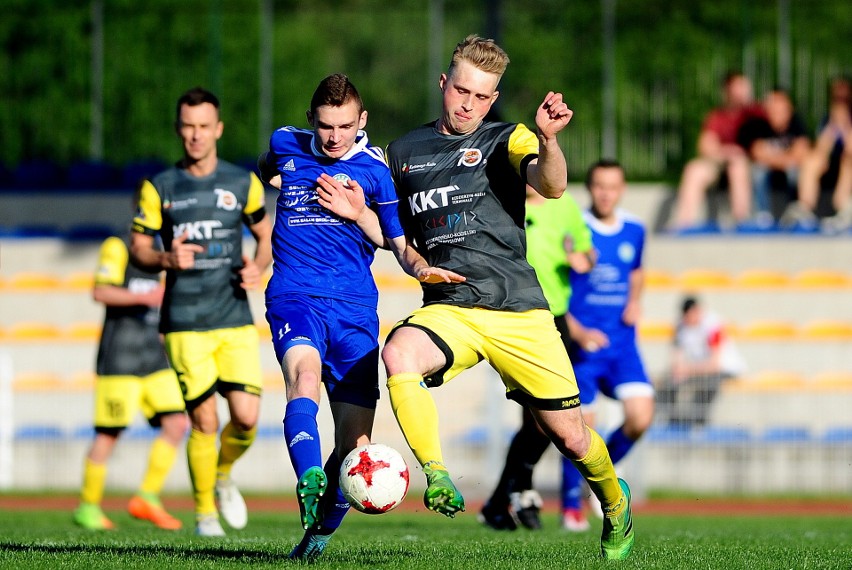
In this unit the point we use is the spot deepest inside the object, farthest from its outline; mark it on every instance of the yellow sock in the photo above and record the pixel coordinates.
(596, 467)
(201, 456)
(233, 444)
(161, 458)
(94, 479)
(417, 416)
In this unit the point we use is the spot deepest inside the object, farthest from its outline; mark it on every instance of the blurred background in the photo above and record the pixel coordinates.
(88, 92)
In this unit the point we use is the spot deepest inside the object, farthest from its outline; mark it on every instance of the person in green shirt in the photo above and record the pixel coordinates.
(557, 239)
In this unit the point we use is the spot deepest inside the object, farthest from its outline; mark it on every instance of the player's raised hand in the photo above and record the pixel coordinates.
(552, 115)
(250, 274)
(345, 200)
(438, 275)
(182, 254)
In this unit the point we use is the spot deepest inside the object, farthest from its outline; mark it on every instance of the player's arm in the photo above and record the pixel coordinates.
(116, 296)
(146, 224)
(633, 308)
(254, 216)
(579, 252)
(415, 265)
(109, 280)
(349, 203)
(548, 173)
(590, 339)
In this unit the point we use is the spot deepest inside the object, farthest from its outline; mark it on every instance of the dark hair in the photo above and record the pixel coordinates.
(602, 163)
(336, 90)
(196, 96)
(687, 304)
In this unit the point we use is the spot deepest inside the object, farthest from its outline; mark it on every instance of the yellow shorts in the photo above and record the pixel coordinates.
(219, 360)
(524, 348)
(118, 398)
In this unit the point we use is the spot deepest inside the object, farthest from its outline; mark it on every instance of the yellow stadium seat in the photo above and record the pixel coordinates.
(768, 330)
(82, 380)
(37, 381)
(660, 279)
(826, 330)
(396, 281)
(775, 380)
(704, 279)
(263, 331)
(82, 331)
(762, 278)
(31, 280)
(31, 331)
(81, 281)
(822, 278)
(656, 330)
(832, 380)
(273, 381)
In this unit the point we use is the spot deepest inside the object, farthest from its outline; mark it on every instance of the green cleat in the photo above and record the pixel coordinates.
(617, 537)
(311, 547)
(441, 495)
(309, 491)
(91, 517)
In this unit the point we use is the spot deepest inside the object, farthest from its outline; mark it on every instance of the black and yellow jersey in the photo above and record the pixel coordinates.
(130, 344)
(461, 201)
(211, 211)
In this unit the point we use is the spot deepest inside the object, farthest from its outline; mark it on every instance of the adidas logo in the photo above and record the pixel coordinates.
(291, 166)
(301, 436)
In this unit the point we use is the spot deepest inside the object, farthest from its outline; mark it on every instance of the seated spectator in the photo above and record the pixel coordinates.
(777, 144)
(720, 153)
(827, 162)
(702, 357)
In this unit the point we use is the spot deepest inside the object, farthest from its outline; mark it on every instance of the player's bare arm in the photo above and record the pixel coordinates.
(116, 296)
(415, 265)
(181, 256)
(349, 203)
(548, 174)
(251, 273)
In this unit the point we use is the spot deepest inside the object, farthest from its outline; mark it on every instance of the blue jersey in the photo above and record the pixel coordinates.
(314, 251)
(600, 296)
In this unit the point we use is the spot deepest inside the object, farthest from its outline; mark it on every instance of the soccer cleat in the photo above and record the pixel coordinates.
(617, 537)
(526, 507)
(309, 491)
(232, 506)
(573, 520)
(91, 517)
(208, 525)
(496, 517)
(441, 495)
(141, 508)
(311, 546)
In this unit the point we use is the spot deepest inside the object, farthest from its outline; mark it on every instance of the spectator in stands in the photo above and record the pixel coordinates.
(720, 153)
(776, 144)
(702, 357)
(830, 160)
(133, 373)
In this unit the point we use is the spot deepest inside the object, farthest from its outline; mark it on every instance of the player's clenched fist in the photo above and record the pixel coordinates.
(552, 115)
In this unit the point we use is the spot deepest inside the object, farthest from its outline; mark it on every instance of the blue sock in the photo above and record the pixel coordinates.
(618, 444)
(335, 505)
(572, 485)
(302, 435)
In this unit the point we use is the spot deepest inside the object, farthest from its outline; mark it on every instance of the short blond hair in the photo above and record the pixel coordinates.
(484, 54)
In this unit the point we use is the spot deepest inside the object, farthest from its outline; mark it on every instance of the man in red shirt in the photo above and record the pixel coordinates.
(718, 152)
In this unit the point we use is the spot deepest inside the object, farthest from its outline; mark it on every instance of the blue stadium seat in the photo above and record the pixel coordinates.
(86, 432)
(30, 231)
(722, 435)
(271, 431)
(786, 434)
(34, 174)
(39, 432)
(838, 435)
(141, 432)
(134, 172)
(668, 434)
(92, 175)
(90, 232)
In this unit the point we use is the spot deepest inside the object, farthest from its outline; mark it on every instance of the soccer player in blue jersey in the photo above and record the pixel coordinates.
(321, 300)
(602, 316)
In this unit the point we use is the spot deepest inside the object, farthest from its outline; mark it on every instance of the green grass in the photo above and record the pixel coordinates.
(48, 539)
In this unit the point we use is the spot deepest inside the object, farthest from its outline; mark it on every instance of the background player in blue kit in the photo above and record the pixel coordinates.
(321, 300)
(602, 317)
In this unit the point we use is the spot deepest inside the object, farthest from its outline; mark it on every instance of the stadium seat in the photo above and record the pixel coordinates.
(79, 281)
(697, 279)
(656, 330)
(270, 431)
(837, 435)
(82, 332)
(822, 278)
(785, 434)
(141, 432)
(38, 432)
(37, 381)
(396, 282)
(768, 330)
(38, 174)
(668, 434)
(659, 279)
(133, 173)
(775, 380)
(92, 175)
(85, 432)
(826, 330)
(832, 380)
(716, 435)
(90, 232)
(758, 278)
(31, 331)
(30, 280)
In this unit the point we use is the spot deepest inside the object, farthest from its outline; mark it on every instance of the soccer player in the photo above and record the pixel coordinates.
(558, 239)
(602, 318)
(199, 208)
(321, 301)
(461, 180)
(133, 373)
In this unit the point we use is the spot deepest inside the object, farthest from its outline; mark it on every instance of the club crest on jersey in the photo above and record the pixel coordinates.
(626, 252)
(469, 157)
(343, 178)
(225, 199)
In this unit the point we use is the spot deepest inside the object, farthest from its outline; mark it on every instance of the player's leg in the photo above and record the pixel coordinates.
(572, 488)
(163, 406)
(238, 362)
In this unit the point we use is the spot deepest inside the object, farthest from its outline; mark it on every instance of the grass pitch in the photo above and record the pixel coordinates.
(423, 540)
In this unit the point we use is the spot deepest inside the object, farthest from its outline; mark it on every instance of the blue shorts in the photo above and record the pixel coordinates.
(346, 336)
(615, 371)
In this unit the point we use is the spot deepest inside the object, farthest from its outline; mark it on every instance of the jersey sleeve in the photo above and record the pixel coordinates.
(523, 144)
(387, 206)
(254, 210)
(149, 212)
(112, 262)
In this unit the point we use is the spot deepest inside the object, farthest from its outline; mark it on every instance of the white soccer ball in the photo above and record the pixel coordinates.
(374, 478)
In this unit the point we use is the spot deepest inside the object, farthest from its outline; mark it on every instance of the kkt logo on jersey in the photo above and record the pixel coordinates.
(225, 199)
(197, 230)
(430, 199)
(469, 157)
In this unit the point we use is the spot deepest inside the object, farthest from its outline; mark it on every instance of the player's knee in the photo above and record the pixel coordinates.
(174, 427)
(394, 357)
